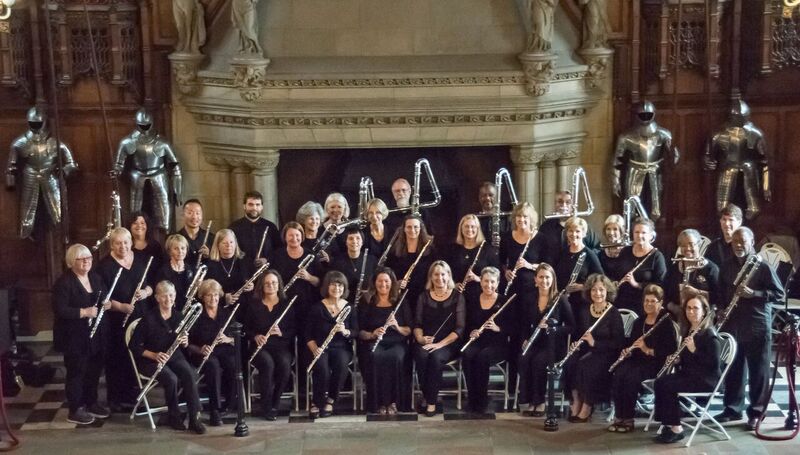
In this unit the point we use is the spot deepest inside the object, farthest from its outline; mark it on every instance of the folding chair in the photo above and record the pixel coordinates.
(628, 318)
(294, 394)
(352, 368)
(141, 381)
(502, 367)
(455, 368)
(691, 402)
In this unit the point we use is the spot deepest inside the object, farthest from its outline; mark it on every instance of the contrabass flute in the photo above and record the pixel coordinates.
(576, 345)
(94, 324)
(391, 315)
(629, 351)
(556, 299)
(521, 255)
(340, 318)
(462, 286)
(138, 288)
(205, 242)
(269, 332)
(673, 358)
(491, 319)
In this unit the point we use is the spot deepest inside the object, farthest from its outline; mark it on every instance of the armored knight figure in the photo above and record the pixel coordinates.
(151, 158)
(639, 153)
(739, 148)
(34, 156)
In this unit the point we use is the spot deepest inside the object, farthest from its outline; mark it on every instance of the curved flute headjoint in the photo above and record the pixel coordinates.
(416, 205)
(580, 185)
(501, 176)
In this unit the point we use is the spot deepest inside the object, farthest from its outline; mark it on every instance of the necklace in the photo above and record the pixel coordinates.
(227, 271)
(596, 314)
(438, 294)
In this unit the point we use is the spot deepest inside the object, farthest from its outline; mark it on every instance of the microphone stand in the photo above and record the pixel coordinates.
(551, 421)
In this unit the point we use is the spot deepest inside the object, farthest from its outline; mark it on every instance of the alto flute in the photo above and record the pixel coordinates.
(385, 254)
(269, 332)
(360, 286)
(521, 255)
(391, 315)
(94, 324)
(742, 279)
(576, 270)
(629, 351)
(463, 283)
(199, 276)
(302, 266)
(217, 338)
(490, 320)
(261, 245)
(637, 266)
(339, 320)
(138, 288)
(250, 281)
(576, 345)
(410, 270)
(673, 358)
(205, 242)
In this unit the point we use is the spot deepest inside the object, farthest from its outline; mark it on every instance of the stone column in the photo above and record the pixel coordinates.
(265, 180)
(550, 179)
(566, 165)
(240, 183)
(526, 173)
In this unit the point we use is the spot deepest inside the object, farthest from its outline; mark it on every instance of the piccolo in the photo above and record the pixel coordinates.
(463, 283)
(269, 332)
(340, 318)
(747, 271)
(261, 245)
(218, 337)
(199, 276)
(410, 270)
(391, 315)
(385, 254)
(250, 281)
(521, 255)
(488, 321)
(576, 345)
(94, 324)
(205, 242)
(673, 358)
(637, 266)
(360, 286)
(629, 351)
(138, 288)
(302, 266)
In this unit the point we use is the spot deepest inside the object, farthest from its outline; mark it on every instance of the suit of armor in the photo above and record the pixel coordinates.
(151, 158)
(739, 148)
(640, 152)
(35, 155)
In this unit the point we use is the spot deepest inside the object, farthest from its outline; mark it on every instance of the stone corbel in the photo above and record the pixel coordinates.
(599, 61)
(184, 71)
(539, 69)
(249, 74)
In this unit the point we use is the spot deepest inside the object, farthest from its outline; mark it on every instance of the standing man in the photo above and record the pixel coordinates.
(749, 323)
(194, 233)
(730, 219)
(487, 195)
(250, 228)
(553, 228)
(401, 191)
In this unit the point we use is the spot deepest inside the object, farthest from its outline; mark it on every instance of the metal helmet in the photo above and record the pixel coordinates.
(36, 119)
(646, 113)
(740, 113)
(144, 121)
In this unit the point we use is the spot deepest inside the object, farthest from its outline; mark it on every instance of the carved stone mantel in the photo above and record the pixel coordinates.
(184, 71)
(248, 168)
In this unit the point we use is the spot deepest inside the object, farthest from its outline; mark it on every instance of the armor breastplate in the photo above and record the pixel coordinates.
(148, 154)
(644, 150)
(733, 143)
(40, 155)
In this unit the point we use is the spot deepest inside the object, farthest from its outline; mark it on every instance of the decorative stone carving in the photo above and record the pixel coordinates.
(184, 71)
(191, 25)
(542, 17)
(595, 24)
(539, 69)
(598, 60)
(249, 74)
(244, 17)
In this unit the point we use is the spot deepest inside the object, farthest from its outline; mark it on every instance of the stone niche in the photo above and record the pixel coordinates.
(378, 74)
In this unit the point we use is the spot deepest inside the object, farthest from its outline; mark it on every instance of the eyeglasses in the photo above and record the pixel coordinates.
(84, 259)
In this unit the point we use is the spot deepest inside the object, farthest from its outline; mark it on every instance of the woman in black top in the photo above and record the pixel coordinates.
(377, 235)
(229, 266)
(646, 356)
(383, 368)
(489, 347)
(287, 262)
(150, 342)
(462, 255)
(548, 346)
(176, 270)
(575, 229)
(586, 376)
(698, 370)
(702, 274)
(310, 215)
(351, 261)
(144, 240)
(614, 229)
(220, 367)
(330, 371)
(439, 322)
(76, 295)
(521, 268)
(405, 251)
(652, 270)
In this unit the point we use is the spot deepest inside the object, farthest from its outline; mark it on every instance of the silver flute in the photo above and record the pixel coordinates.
(94, 324)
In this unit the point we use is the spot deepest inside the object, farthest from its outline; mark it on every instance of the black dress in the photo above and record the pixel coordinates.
(555, 235)
(219, 371)
(307, 294)
(566, 264)
(230, 273)
(331, 370)
(351, 268)
(460, 259)
(416, 283)
(614, 268)
(652, 271)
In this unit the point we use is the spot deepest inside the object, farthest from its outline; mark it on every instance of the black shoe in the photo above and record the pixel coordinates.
(176, 423)
(99, 412)
(80, 417)
(196, 426)
(214, 418)
(271, 415)
(751, 424)
(668, 436)
(728, 416)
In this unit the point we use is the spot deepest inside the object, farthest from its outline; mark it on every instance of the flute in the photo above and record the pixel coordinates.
(521, 255)
(385, 254)
(138, 288)
(339, 320)
(302, 266)
(747, 271)
(269, 332)
(462, 286)
(94, 324)
(629, 351)
(673, 358)
(199, 276)
(488, 321)
(410, 270)
(391, 315)
(637, 266)
(250, 281)
(205, 242)
(576, 345)
(217, 338)
(261, 245)
(360, 286)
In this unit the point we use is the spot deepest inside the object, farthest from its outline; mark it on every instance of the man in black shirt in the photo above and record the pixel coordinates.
(719, 250)
(250, 229)
(487, 195)
(553, 229)
(194, 233)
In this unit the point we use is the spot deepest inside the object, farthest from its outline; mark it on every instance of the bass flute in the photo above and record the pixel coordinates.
(340, 318)
(138, 288)
(269, 332)
(194, 286)
(488, 321)
(629, 351)
(576, 345)
(302, 266)
(94, 324)
(747, 271)
(235, 296)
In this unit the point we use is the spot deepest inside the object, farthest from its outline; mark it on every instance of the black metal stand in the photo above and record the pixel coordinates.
(241, 429)
(551, 421)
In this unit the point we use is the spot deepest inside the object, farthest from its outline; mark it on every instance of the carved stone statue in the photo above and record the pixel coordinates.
(151, 158)
(639, 153)
(595, 24)
(542, 12)
(191, 25)
(244, 15)
(739, 148)
(35, 158)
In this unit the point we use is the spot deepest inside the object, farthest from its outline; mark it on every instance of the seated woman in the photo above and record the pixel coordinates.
(176, 270)
(698, 369)
(330, 371)
(614, 230)
(383, 368)
(151, 340)
(438, 324)
(548, 346)
(649, 263)
(276, 339)
(489, 347)
(228, 266)
(586, 376)
(406, 250)
(462, 255)
(701, 276)
(220, 367)
(645, 357)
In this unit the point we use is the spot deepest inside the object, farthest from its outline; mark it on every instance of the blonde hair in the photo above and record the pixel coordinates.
(119, 232)
(74, 252)
(337, 197)
(460, 237)
(525, 208)
(175, 239)
(218, 238)
(209, 287)
(574, 222)
(443, 265)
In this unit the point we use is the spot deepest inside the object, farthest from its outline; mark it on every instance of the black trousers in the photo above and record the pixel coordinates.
(476, 362)
(752, 362)
(177, 373)
(274, 365)
(533, 374)
(120, 377)
(330, 373)
(384, 373)
(219, 371)
(667, 388)
(430, 366)
(83, 375)
(626, 385)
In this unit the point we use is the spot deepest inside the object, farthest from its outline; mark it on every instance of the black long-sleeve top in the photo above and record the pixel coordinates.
(195, 244)
(461, 258)
(258, 319)
(351, 268)
(652, 271)
(155, 250)
(609, 335)
(249, 234)
(320, 322)
(663, 340)
(205, 330)
(181, 280)
(70, 331)
(154, 333)
(128, 280)
(704, 279)
(485, 221)
(401, 264)
(614, 268)
(230, 273)
(537, 252)
(567, 262)
(449, 314)
(752, 317)
(371, 317)
(719, 251)
(565, 319)
(553, 232)
(476, 316)
(704, 364)
(377, 247)
(287, 266)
